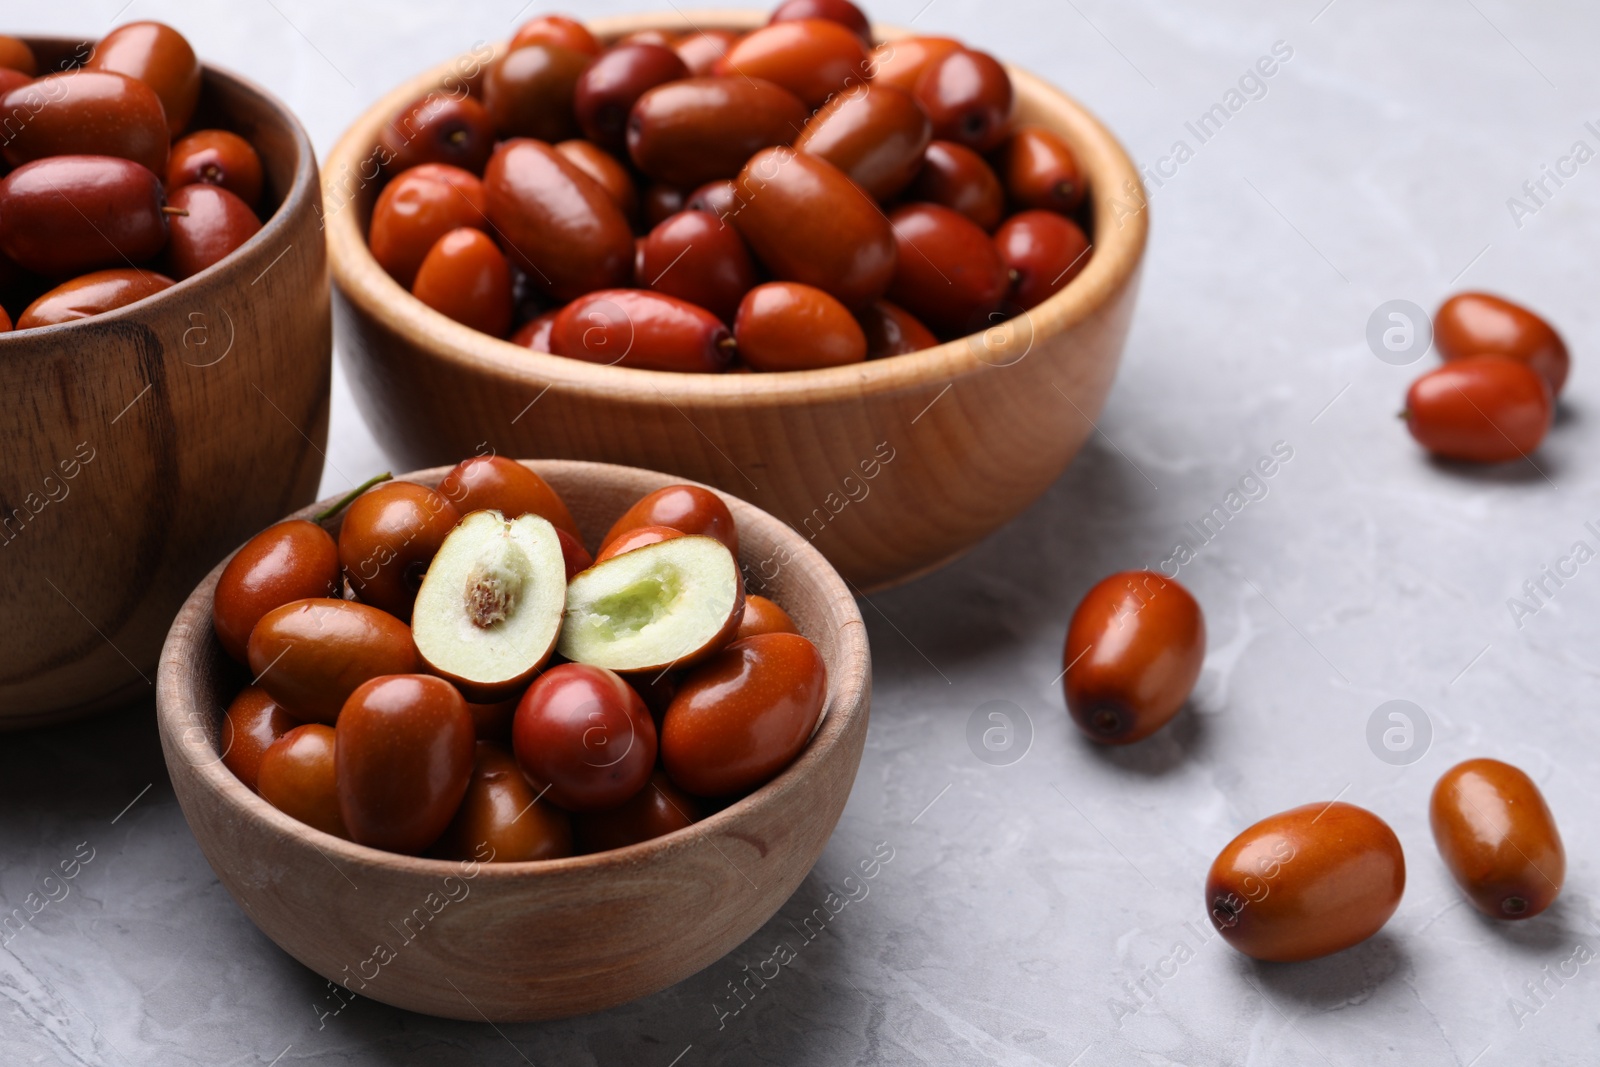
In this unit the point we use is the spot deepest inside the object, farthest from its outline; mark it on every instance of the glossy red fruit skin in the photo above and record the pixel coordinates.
(465, 276)
(495, 483)
(216, 225)
(1042, 172)
(1497, 837)
(159, 56)
(15, 54)
(555, 222)
(893, 331)
(743, 716)
(92, 294)
(1043, 252)
(701, 49)
(293, 560)
(695, 256)
(558, 30)
(573, 554)
(784, 326)
(5, 321)
(1480, 409)
(808, 223)
(501, 819)
(405, 754)
(659, 203)
(968, 96)
(637, 537)
(1133, 652)
(763, 616)
(530, 91)
(492, 722)
(251, 724)
(644, 330)
(216, 157)
(812, 58)
(687, 508)
(312, 654)
(613, 83)
(389, 536)
(438, 128)
(841, 11)
(12, 79)
(949, 273)
(875, 134)
(1482, 324)
(606, 171)
(958, 178)
(718, 198)
(535, 333)
(298, 776)
(690, 132)
(416, 209)
(67, 215)
(584, 733)
(86, 112)
(660, 808)
(900, 62)
(1306, 882)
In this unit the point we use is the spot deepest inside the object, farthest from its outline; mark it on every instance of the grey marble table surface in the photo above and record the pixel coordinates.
(1048, 910)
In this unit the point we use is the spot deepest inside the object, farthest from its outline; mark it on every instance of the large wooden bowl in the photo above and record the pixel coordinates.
(976, 429)
(137, 447)
(521, 941)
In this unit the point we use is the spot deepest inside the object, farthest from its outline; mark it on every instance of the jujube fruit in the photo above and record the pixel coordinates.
(1306, 882)
(298, 776)
(585, 736)
(1482, 324)
(405, 754)
(1496, 835)
(69, 214)
(744, 715)
(292, 560)
(310, 655)
(251, 724)
(159, 56)
(465, 276)
(1481, 409)
(1133, 652)
(501, 819)
(389, 535)
(92, 294)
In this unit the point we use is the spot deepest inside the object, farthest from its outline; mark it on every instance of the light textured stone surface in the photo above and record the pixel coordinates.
(1031, 912)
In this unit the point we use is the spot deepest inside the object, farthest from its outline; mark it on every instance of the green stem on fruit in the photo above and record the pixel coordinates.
(345, 500)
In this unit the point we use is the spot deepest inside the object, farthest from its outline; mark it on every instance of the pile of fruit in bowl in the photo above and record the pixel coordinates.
(112, 195)
(794, 197)
(454, 675)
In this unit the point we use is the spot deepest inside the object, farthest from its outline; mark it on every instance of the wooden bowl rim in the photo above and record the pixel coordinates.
(303, 186)
(849, 691)
(1118, 251)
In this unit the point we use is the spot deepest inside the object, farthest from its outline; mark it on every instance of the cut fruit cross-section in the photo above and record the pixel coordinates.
(489, 609)
(669, 604)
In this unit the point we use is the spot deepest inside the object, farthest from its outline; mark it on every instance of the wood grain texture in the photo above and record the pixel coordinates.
(521, 941)
(977, 428)
(186, 421)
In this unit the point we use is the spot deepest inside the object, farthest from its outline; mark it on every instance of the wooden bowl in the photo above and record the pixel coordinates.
(518, 941)
(807, 446)
(138, 446)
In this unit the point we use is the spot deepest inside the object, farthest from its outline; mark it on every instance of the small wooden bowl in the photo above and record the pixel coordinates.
(140, 445)
(518, 941)
(807, 446)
